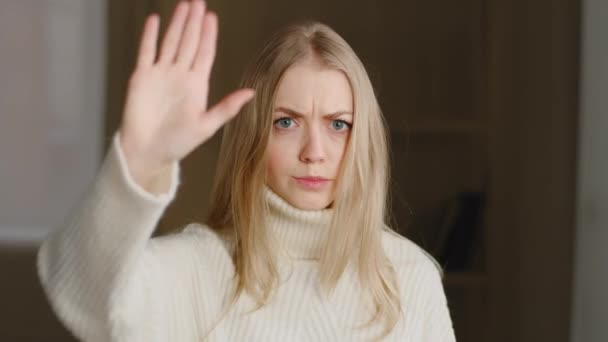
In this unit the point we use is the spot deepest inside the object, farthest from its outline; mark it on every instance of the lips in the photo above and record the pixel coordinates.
(312, 182)
(312, 179)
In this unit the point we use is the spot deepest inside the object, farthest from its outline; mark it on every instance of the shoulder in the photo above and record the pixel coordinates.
(405, 255)
(192, 261)
(419, 275)
(194, 242)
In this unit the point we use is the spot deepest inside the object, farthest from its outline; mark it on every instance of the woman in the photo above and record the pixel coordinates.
(295, 247)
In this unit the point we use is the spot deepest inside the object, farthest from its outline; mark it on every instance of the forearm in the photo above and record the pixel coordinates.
(86, 262)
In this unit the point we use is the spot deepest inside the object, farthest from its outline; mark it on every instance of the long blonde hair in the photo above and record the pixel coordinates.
(360, 202)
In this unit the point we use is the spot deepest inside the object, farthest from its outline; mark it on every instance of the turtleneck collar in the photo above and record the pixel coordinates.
(300, 233)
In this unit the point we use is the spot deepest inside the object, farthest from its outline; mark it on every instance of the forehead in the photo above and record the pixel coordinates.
(309, 87)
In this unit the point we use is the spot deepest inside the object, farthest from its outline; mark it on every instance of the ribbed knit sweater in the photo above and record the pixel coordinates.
(108, 280)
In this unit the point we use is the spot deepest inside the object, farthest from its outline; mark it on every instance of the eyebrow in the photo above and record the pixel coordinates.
(299, 115)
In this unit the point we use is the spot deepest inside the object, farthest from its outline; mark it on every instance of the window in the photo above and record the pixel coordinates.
(51, 109)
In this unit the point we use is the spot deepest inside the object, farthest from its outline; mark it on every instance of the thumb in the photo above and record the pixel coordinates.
(227, 108)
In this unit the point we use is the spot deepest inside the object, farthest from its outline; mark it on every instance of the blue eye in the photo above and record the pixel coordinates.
(284, 122)
(339, 125)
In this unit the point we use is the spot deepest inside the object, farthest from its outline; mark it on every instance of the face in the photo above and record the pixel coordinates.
(312, 119)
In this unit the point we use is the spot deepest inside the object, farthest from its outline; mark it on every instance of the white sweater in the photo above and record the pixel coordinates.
(108, 280)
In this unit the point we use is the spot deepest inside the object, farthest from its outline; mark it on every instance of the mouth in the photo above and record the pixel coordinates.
(313, 183)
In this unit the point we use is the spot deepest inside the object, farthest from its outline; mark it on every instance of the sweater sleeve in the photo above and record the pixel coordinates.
(88, 265)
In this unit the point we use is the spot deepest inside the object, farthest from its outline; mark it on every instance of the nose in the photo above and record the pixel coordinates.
(313, 150)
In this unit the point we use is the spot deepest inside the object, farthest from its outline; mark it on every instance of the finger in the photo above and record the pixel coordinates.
(206, 48)
(147, 45)
(227, 108)
(190, 39)
(173, 34)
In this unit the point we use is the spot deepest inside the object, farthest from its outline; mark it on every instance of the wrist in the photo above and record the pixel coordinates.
(152, 175)
(155, 179)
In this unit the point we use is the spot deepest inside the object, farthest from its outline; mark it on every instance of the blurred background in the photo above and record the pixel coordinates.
(496, 111)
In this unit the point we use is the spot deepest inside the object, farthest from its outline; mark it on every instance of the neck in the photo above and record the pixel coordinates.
(300, 234)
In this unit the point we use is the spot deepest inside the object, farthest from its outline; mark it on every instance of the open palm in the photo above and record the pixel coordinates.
(166, 114)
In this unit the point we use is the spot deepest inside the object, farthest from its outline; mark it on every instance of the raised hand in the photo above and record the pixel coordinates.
(165, 115)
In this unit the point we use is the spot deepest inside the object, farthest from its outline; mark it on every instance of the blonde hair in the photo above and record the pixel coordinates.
(360, 202)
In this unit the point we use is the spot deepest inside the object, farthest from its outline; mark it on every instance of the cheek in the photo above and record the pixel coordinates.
(337, 148)
(275, 163)
(279, 155)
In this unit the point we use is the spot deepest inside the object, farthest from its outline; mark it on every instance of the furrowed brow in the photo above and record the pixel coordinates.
(299, 115)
